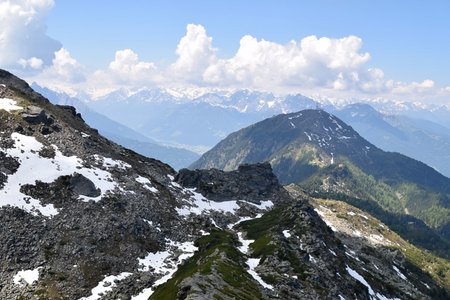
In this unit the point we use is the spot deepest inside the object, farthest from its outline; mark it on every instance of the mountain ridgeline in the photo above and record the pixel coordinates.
(328, 158)
(421, 139)
(198, 119)
(84, 218)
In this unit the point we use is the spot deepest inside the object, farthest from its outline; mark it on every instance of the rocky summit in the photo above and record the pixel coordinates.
(84, 218)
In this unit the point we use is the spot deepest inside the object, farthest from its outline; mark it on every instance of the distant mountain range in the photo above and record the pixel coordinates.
(421, 139)
(198, 121)
(328, 158)
(112, 129)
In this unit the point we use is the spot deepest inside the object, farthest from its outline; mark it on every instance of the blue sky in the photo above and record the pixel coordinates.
(407, 40)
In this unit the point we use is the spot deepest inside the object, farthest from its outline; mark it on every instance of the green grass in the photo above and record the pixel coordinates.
(217, 253)
(401, 206)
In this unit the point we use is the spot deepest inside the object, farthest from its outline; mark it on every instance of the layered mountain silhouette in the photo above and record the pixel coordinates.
(421, 139)
(84, 218)
(121, 134)
(326, 156)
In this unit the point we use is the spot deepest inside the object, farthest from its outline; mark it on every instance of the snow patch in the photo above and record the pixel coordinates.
(108, 162)
(252, 264)
(309, 138)
(361, 279)
(106, 285)
(295, 117)
(9, 104)
(28, 276)
(399, 273)
(364, 216)
(163, 263)
(352, 254)
(245, 243)
(34, 167)
(173, 183)
(286, 234)
(147, 184)
(198, 204)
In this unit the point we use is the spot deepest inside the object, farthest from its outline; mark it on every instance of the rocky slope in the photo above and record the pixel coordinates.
(79, 212)
(83, 218)
(362, 234)
(329, 158)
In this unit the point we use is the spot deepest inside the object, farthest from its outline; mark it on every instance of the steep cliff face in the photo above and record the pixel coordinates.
(83, 218)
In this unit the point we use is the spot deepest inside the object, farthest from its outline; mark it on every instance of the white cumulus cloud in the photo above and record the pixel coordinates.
(67, 67)
(195, 54)
(313, 62)
(127, 70)
(330, 67)
(24, 42)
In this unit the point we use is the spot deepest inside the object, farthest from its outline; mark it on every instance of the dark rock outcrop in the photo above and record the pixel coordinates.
(36, 115)
(80, 185)
(253, 183)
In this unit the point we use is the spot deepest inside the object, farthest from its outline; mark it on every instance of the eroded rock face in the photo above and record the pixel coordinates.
(36, 115)
(253, 183)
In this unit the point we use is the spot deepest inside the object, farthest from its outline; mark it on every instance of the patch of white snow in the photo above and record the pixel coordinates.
(286, 234)
(399, 273)
(34, 167)
(198, 204)
(252, 264)
(147, 184)
(312, 259)
(9, 104)
(245, 243)
(163, 263)
(106, 285)
(309, 138)
(27, 276)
